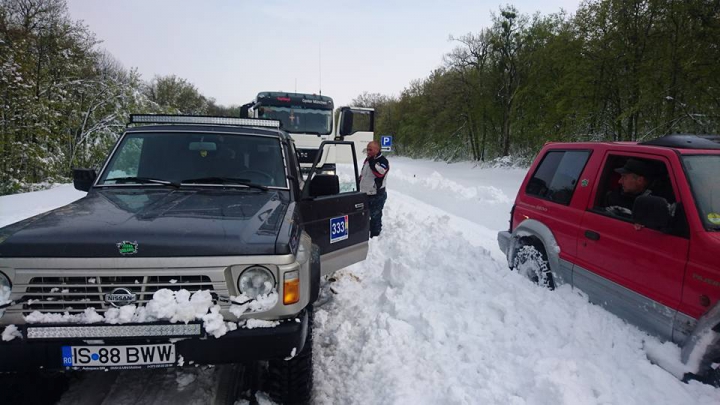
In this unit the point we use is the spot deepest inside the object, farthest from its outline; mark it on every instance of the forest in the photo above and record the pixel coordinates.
(64, 101)
(615, 70)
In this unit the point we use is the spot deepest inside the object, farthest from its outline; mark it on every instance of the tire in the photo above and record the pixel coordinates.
(231, 381)
(291, 381)
(531, 261)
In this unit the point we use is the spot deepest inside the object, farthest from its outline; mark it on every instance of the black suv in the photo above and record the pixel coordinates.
(210, 206)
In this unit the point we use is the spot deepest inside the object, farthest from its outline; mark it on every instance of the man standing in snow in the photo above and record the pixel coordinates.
(372, 182)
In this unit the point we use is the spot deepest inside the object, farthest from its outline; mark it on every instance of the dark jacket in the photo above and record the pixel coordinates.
(618, 198)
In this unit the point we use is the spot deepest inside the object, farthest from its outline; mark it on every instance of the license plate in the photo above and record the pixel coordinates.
(339, 229)
(119, 357)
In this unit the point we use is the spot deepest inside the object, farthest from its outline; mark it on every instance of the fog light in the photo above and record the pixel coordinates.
(291, 288)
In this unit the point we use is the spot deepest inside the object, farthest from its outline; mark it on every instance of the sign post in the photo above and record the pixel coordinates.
(386, 143)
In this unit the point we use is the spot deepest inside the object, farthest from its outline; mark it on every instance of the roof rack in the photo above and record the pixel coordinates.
(201, 119)
(685, 141)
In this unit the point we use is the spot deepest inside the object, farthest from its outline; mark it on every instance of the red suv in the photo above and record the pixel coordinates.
(636, 226)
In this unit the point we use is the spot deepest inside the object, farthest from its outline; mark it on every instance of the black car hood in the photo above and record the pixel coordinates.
(153, 223)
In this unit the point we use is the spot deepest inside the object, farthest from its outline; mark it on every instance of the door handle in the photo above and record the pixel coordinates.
(592, 235)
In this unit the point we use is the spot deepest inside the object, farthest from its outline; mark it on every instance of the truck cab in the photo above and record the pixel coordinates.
(311, 119)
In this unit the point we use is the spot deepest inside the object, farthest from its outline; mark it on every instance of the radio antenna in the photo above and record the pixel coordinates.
(320, 66)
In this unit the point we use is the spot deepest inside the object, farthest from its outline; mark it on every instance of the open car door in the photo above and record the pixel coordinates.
(335, 212)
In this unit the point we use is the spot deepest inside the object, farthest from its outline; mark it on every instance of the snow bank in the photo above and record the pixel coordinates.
(482, 196)
(16, 207)
(436, 183)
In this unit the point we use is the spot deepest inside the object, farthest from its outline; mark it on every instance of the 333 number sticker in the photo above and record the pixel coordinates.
(338, 229)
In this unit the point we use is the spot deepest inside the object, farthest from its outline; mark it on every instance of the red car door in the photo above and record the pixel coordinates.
(636, 274)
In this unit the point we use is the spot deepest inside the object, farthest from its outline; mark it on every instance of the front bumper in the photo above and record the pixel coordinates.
(238, 346)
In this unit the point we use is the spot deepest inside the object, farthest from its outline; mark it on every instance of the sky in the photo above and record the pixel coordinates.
(231, 50)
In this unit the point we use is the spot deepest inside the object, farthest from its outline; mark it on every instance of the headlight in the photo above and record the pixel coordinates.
(256, 281)
(5, 289)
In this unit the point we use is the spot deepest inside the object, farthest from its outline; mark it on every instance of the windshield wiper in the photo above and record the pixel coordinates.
(144, 180)
(226, 180)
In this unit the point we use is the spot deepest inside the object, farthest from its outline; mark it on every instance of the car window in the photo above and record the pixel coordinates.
(128, 159)
(557, 175)
(614, 199)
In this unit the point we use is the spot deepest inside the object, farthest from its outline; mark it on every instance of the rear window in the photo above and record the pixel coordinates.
(557, 175)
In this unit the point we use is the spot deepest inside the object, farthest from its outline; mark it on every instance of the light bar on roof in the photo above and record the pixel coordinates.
(195, 119)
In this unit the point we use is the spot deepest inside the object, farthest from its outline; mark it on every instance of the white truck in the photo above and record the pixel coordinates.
(309, 119)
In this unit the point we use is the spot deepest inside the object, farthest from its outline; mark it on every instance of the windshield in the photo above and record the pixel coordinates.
(194, 158)
(702, 173)
(299, 120)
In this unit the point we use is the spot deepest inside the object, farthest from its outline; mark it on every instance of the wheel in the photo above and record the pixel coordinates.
(231, 384)
(531, 261)
(291, 381)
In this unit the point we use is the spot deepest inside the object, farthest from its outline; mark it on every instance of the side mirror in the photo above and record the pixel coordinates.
(244, 111)
(652, 212)
(84, 178)
(357, 120)
(324, 184)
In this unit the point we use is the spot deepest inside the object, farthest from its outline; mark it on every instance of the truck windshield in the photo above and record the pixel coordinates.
(152, 159)
(299, 120)
(702, 172)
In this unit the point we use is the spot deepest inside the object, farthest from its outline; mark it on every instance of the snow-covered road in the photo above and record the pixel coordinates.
(434, 316)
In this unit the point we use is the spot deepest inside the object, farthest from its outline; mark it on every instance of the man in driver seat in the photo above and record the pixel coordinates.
(635, 178)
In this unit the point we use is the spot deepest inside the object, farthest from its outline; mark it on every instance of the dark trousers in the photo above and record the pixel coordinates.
(377, 202)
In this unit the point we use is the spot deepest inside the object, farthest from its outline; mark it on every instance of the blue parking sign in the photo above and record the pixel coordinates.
(386, 143)
(339, 228)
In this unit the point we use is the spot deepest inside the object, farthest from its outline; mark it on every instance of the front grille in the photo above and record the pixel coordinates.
(75, 294)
